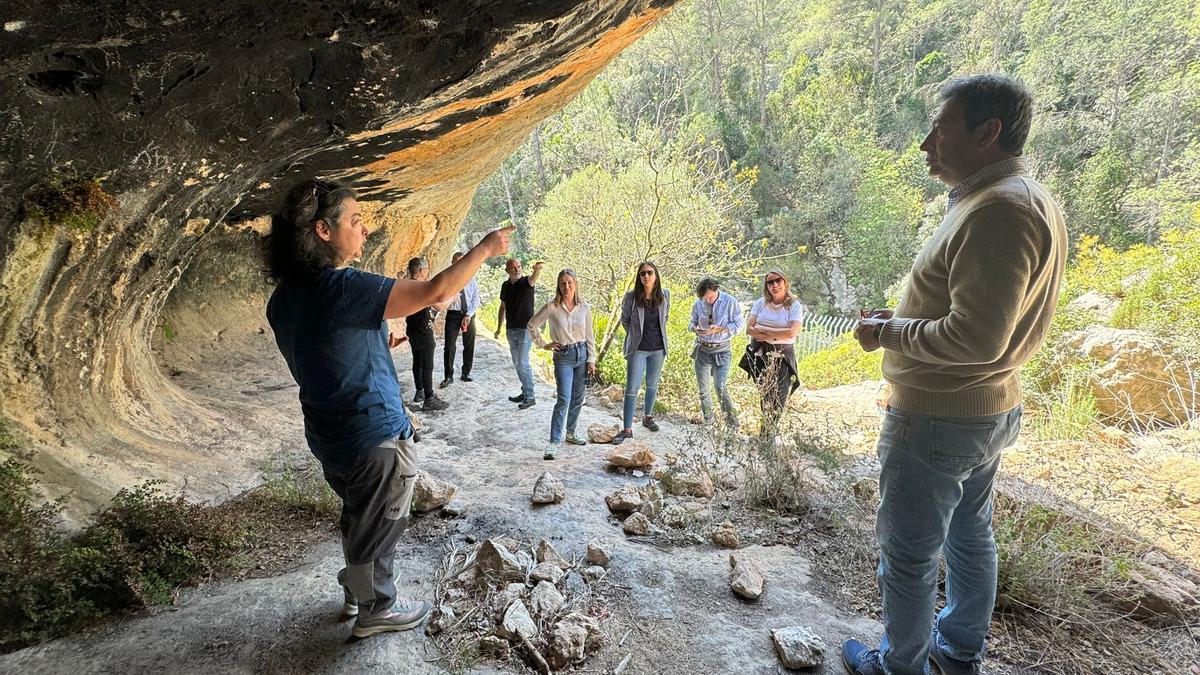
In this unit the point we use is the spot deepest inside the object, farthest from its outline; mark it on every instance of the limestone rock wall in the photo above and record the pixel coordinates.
(197, 117)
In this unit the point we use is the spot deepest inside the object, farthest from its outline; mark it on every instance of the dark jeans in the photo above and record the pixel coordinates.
(453, 326)
(376, 488)
(423, 346)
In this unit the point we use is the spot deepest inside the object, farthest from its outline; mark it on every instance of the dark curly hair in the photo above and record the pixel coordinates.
(293, 252)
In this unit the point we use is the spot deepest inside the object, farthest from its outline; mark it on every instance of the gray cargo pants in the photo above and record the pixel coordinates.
(376, 491)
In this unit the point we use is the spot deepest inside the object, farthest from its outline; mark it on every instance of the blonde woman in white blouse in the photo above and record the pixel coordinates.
(574, 347)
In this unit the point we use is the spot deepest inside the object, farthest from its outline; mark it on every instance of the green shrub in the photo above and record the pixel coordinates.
(1056, 564)
(69, 200)
(843, 363)
(135, 552)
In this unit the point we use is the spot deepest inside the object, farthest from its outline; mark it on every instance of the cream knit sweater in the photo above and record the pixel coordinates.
(978, 303)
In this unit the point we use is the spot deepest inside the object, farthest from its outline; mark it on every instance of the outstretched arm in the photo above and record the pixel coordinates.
(409, 296)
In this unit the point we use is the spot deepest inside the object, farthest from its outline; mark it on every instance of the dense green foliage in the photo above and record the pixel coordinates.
(819, 105)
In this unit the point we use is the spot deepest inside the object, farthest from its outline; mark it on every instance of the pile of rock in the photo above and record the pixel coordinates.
(502, 596)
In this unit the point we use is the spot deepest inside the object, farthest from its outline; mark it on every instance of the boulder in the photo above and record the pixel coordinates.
(599, 433)
(636, 524)
(545, 599)
(549, 489)
(597, 553)
(624, 500)
(517, 622)
(747, 579)
(571, 639)
(726, 536)
(1134, 377)
(1155, 592)
(798, 647)
(546, 572)
(495, 560)
(546, 553)
(687, 480)
(431, 493)
(631, 454)
(614, 393)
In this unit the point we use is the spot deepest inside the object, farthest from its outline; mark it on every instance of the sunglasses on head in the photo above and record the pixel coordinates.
(774, 280)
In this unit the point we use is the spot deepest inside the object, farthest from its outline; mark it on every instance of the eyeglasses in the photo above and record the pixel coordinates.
(646, 273)
(776, 280)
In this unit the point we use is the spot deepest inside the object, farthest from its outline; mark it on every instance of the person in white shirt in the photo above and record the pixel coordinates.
(770, 358)
(460, 318)
(574, 345)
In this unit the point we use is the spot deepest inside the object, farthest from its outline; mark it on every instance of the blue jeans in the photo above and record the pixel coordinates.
(518, 347)
(643, 365)
(935, 489)
(712, 367)
(570, 382)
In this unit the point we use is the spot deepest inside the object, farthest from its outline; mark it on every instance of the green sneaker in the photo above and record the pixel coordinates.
(549, 453)
(575, 440)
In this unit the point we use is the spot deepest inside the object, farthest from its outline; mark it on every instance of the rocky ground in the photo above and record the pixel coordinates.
(665, 603)
(669, 607)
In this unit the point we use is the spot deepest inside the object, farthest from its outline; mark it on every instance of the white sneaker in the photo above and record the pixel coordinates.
(396, 619)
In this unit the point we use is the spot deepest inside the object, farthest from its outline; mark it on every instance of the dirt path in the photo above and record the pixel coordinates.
(672, 606)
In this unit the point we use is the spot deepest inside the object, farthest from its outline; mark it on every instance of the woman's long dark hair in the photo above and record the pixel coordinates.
(293, 252)
(639, 293)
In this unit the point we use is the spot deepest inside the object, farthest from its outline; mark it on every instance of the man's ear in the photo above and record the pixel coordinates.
(990, 132)
(322, 229)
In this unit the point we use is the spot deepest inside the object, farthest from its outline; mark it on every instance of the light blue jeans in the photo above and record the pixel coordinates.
(570, 383)
(643, 365)
(935, 489)
(710, 368)
(518, 346)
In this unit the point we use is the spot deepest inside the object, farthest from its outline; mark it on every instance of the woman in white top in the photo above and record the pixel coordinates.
(770, 358)
(574, 347)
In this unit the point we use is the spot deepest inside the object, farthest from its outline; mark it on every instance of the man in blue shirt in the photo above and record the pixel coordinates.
(330, 325)
(460, 318)
(716, 318)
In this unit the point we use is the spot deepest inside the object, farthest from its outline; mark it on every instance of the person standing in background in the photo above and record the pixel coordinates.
(574, 347)
(516, 305)
(460, 318)
(419, 328)
(644, 313)
(775, 320)
(716, 318)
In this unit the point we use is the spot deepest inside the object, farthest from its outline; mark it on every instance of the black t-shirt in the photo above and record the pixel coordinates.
(518, 302)
(420, 325)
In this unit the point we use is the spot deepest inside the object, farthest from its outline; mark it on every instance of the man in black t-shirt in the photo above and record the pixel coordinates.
(516, 303)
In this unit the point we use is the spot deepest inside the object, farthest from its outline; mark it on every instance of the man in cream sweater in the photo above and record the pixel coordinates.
(978, 304)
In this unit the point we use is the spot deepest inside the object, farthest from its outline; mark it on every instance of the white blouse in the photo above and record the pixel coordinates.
(566, 327)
